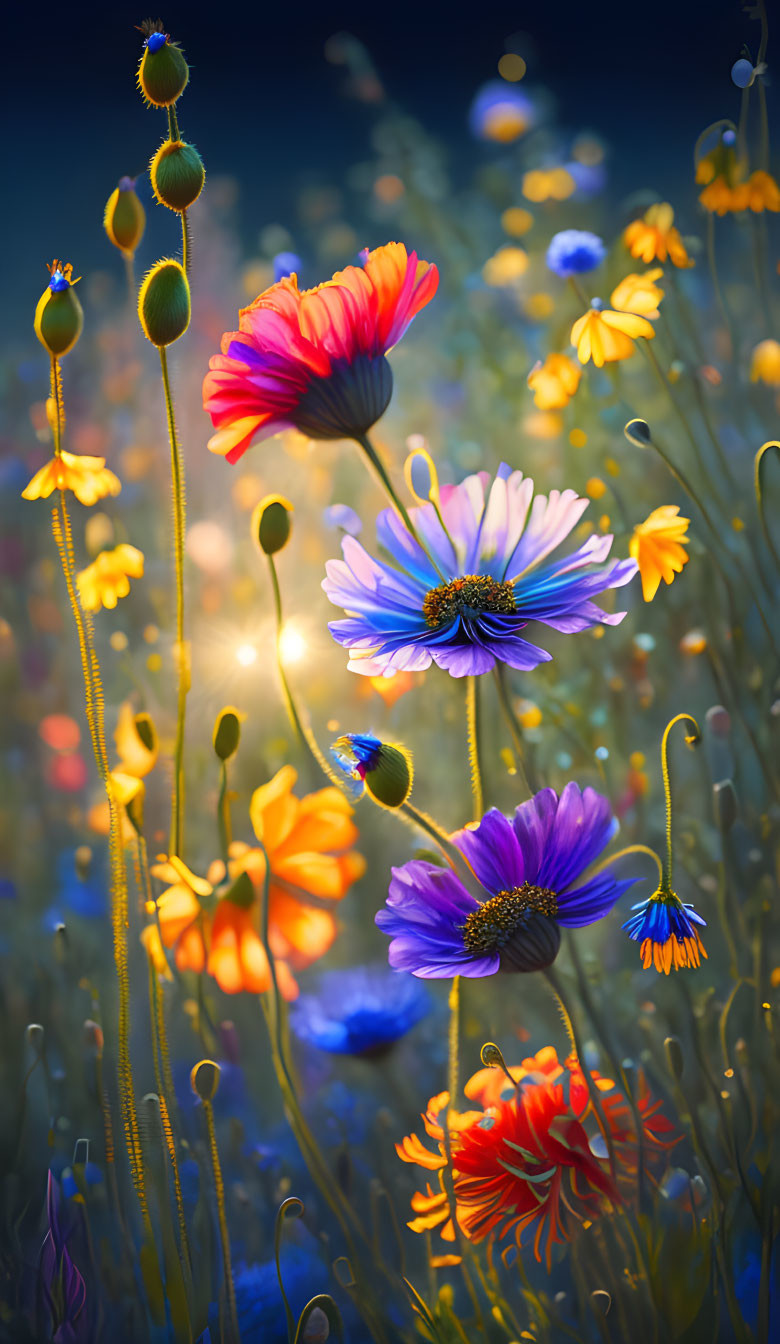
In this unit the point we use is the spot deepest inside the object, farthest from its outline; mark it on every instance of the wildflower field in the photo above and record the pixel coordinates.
(390, 790)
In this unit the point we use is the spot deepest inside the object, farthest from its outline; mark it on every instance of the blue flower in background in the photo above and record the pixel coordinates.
(360, 1011)
(500, 112)
(286, 263)
(261, 1318)
(575, 251)
(85, 896)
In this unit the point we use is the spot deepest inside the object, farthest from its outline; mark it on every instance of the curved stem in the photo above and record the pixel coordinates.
(472, 737)
(186, 243)
(630, 849)
(757, 484)
(224, 1236)
(574, 1037)
(181, 652)
(452, 854)
(379, 470)
(691, 740)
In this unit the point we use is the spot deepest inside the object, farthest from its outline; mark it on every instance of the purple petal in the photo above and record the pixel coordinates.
(586, 904)
(493, 852)
(583, 826)
(532, 824)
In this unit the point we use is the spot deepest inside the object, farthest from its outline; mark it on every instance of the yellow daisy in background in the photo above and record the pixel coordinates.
(761, 192)
(554, 382)
(658, 546)
(604, 336)
(639, 293)
(654, 238)
(107, 579)
(765, 363)
(87, 477)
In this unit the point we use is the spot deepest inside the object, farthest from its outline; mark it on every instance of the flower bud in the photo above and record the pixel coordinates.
(35, 1037)
(271, 523)
(93, 1036)
(124, 218)
(204, 1079)
(674, 1057)
(724, 797)
(384, 768)
(164, 303)
(144, 726)
(163, 72)
(718, 721)
(177, 174)
(227, 733)
(59, 316)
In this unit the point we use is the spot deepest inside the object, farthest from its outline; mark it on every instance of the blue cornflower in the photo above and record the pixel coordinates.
(574, 251)
(360, 1011)
(261, 1318)
(665, 928)
(500, 112)
(384, 768)
(485, 574)
(531, 869)
(286, 263)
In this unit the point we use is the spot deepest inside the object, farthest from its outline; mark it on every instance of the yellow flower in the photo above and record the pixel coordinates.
(639, 293)
(548, 184)
(721, 199)
(88, 478)
(554, 382)
(761, 192)
(658, 546)
(603, 335)
(107, 579)
(725, 192)
(653, 237)
(765, 363)
(505, 267)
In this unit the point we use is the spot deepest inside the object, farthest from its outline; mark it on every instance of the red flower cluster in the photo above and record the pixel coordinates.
(530, 1156)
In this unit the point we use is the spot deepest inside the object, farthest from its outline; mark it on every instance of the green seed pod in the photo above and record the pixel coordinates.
(177, 174)
(164, 303)
(227, 733)
(204, 1079)
(124, 218)
(389, 781)
(674, 1057)
(144, 726)
(271, 523)
(59, 316)
(163, 72)
(724, 797)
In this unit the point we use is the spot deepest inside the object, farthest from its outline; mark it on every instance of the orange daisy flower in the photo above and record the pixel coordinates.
(639, 293)
(654, 238)
(658, 546)
(87, 477)
(314, 360)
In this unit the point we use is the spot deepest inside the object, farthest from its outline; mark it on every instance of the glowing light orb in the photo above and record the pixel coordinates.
(246, 655)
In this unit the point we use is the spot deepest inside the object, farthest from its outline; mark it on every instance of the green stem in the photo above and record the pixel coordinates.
(724, 312)
(512, 724)
(757, 483)
(223, 815)
(180, 652)
(472, 737)
(666, 878)
(576, 1043)
(173, 124)
(186, 243)
(300, 727)
(455, 859)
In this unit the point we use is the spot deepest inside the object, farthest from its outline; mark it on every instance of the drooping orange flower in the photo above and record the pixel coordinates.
(530, 1159)
(554, 382)
(314, 360)
(604, 336)
(761, 192)
(639, 293)
(107, 579)
(87, 477)
(658, 546)
(184, 919)
(654, 237)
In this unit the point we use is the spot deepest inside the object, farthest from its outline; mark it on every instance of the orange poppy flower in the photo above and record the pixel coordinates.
(654, 238)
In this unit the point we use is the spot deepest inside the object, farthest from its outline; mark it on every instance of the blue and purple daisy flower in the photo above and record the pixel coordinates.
(531, 869)
(484, 575)
(666, 929)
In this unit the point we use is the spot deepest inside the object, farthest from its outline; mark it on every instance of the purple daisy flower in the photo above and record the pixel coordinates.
(487, 573)
(530, 868)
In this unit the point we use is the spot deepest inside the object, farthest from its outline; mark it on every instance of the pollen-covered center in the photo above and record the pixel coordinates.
(473, 594)
(491, 926)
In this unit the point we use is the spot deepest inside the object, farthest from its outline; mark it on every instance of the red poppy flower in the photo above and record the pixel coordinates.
(314, 360)
(531, 1158)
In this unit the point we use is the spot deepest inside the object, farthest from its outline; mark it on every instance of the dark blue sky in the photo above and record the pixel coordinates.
(265, 105)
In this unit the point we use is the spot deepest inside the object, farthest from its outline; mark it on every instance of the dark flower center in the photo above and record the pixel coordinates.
(519, 925)
(473, 594)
